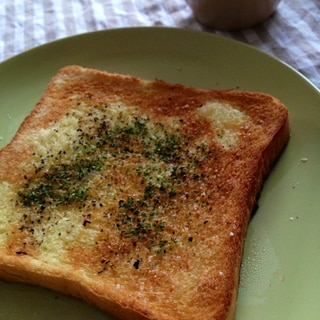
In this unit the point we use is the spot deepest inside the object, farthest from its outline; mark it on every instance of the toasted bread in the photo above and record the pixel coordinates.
(135, 195)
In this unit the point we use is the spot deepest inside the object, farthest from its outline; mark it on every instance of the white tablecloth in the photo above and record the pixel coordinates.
(292, 34)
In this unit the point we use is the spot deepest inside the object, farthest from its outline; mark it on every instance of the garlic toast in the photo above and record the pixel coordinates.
(135, 195)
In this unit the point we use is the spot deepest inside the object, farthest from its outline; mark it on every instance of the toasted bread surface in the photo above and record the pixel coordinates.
(135, 195)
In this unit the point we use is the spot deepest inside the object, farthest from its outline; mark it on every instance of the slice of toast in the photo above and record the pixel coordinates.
(135, 195)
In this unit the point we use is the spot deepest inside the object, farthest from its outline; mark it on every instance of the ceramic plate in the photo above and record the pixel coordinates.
(279, 277)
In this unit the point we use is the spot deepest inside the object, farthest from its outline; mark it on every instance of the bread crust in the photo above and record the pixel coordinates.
(231, 180)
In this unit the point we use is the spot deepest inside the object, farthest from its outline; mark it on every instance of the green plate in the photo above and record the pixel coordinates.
(279, 277)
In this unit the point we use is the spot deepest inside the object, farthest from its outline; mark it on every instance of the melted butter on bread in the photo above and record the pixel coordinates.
(228, 119)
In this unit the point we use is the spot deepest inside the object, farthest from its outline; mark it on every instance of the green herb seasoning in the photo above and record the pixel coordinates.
(128, 170)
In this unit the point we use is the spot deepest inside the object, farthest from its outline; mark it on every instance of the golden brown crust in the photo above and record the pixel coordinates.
(183, 263)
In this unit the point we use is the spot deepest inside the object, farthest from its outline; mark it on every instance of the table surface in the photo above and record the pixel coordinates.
(292, 34)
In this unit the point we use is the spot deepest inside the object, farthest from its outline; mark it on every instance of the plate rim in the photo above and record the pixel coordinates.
(194, 32)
